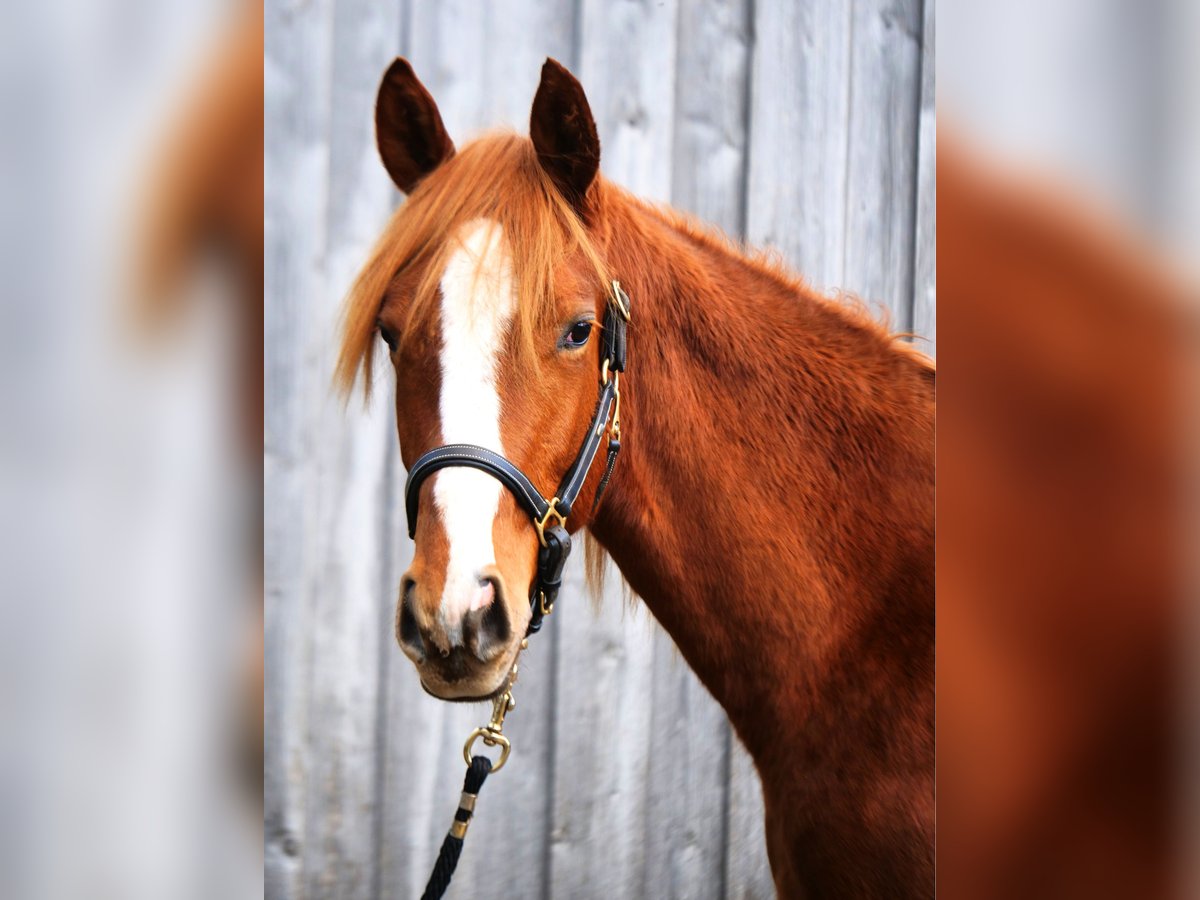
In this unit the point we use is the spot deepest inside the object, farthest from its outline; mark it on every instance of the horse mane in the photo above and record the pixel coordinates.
(496, 177)
(768, 263)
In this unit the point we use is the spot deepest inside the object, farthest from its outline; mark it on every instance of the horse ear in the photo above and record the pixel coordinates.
(564, 134)
(408, 127)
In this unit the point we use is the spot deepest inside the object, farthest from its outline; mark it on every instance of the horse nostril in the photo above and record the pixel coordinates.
(407, 631)
(487, 630)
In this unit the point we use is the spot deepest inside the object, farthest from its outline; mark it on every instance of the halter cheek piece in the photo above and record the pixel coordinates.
(554, 540)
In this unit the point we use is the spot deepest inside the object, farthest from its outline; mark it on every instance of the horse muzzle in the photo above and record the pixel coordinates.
(465, 657)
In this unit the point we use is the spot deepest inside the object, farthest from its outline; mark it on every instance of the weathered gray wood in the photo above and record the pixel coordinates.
(482, 61)
(295, 72)
(749, 872)
(355, 470)
(799, 127)
(833, 144)
(627, 66)
(713, 81)
(881, 154)
(601, 724)
(924, 320)
(330, 212)
(685, 788)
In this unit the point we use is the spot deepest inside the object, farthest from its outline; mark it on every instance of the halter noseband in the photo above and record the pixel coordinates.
(554, 540)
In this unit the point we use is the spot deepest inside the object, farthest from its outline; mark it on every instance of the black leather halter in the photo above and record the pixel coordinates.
(554, 539)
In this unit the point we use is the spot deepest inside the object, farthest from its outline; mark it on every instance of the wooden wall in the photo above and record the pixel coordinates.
(804, 126)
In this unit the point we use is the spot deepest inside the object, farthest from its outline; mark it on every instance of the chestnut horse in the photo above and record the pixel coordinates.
(773, 505)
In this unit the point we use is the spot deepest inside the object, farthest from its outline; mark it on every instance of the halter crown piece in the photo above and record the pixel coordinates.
(553, 537)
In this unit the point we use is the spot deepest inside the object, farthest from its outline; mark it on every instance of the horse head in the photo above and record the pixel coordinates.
(489, 291)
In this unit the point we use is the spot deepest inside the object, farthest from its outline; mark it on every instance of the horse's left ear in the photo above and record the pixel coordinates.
(408, 127)
(564, 134)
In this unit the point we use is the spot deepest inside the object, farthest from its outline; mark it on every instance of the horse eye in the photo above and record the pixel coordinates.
(578, 335)
(388, 337)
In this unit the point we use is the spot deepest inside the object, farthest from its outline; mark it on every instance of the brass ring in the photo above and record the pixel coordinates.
(492, 739)
(540, 524)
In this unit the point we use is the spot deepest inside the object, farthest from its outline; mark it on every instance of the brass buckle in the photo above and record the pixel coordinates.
(540, 524)
(491, 732)
(615, 430)
(617, 302)
(542, 607)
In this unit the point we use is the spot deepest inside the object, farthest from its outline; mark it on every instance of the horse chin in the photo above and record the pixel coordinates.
(480, 687)
(462, 698)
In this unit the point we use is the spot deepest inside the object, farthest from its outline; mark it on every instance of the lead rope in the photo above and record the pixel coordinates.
(447, 861)
(478, 769)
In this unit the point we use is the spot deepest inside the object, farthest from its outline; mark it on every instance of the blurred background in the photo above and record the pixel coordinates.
(806, 127)
(1068, 449)
(130, 398)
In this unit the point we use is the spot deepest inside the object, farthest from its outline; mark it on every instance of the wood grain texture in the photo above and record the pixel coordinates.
(924, 317)
(294, 72)
(799, 134)
(804, 126)
(881, 155)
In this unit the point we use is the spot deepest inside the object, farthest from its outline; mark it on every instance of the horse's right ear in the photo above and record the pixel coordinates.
(564, 134)
(408, 127)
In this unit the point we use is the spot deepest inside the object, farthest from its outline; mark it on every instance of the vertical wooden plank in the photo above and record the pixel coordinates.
(924, 323)
(324, 209)
(799, 125)
(686, 792)
(520, 38)
(881, 154)
(685, 789)
(350, 473)
(481, 62)
(711, 115)
(627, 66)
(833, 124)
(600, 832)
(748, 870)
(295, 76)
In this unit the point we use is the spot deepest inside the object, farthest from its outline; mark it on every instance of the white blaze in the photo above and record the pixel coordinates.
(478, 301)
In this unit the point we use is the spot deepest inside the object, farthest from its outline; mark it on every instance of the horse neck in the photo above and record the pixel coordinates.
(773, 501)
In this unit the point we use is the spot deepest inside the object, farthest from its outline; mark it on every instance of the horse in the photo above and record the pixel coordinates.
(773, 505)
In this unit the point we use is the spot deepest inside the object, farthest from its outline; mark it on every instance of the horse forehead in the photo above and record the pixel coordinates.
(477, 305)
(478, 293)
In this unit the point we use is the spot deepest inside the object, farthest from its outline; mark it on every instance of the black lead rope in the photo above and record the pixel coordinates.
(447, 861)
